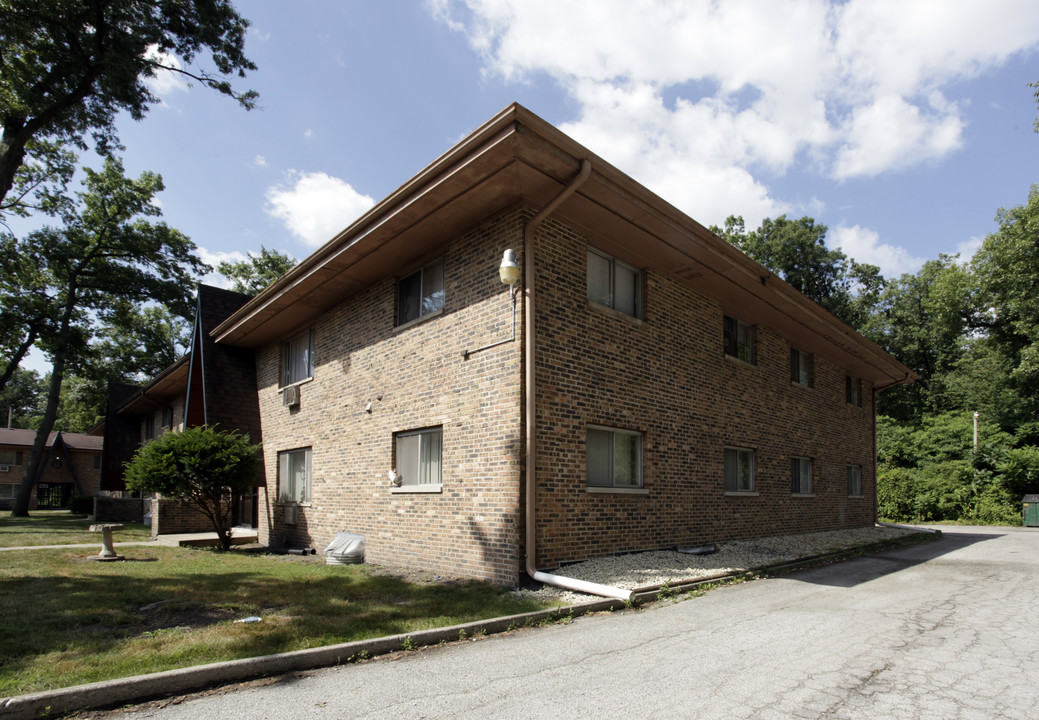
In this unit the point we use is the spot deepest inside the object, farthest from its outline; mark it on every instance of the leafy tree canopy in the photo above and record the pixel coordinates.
(108, 257)
(200, 466)
(796, 251)
(68, 67)
(260, 270)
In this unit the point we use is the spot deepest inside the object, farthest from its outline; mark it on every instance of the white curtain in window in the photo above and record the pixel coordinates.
(429, 466)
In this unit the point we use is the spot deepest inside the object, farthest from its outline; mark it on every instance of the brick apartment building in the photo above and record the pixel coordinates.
(649, 387)
(71, 466)
(643, 385)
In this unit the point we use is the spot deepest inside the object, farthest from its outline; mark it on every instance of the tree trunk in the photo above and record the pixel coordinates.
(34, 466)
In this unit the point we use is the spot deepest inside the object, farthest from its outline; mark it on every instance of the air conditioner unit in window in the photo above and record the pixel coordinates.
(290, 514)
(290, 396)
(5, 468)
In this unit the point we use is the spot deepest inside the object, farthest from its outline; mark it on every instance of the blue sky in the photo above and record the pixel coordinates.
(901, 126)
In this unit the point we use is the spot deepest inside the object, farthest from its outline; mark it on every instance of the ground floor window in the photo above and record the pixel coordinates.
(739, 469)
(854, 480)
(419, 456)
(801, 475)
(294, 476)
(614, 457)
(8, 492)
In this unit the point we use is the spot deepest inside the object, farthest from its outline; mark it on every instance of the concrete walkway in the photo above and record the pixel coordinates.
(239, 536)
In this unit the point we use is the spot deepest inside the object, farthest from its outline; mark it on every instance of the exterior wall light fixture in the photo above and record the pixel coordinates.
(509, 272)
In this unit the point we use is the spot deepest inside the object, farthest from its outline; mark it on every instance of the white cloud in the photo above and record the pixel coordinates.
(316, 206)
(308, 133)
(699, 99)
(864, 245)
(164, 82)
(967, 248)
(260, 161)
(214, 258)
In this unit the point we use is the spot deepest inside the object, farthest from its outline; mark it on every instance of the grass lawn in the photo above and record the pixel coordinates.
(59, 527)
(68, 620)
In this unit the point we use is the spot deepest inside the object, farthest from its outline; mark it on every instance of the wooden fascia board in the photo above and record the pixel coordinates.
(439, 185)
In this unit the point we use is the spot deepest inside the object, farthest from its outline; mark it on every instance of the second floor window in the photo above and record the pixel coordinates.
(853, 390)
(614, 284)
(421, 293)
(297, 358)
(739, 339)
(800, 367)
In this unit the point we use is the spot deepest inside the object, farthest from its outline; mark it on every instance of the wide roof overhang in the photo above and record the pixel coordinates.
(516, 159)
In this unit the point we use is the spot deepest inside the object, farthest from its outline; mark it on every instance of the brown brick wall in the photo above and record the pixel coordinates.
(415, 378)
(170, 517)
(666, 377)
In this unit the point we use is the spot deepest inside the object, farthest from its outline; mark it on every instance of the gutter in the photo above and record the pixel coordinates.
(530, 387)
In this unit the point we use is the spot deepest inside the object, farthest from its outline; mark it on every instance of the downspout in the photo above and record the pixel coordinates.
(530, 387)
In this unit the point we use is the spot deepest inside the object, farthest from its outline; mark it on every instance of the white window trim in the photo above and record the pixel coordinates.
(420, 487)
(641, 461)
(309, 459)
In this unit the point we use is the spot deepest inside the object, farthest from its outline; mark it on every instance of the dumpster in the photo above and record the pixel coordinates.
(1030, 511)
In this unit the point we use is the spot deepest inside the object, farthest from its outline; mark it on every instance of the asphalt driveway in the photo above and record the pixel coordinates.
(940, 630)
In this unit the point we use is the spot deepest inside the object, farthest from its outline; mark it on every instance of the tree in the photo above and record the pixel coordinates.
(200, 466)
(796, 251)
(107, 251)
(70, 66)
(18, 400)
(1007, 304)
(922, 319)
(260, 270)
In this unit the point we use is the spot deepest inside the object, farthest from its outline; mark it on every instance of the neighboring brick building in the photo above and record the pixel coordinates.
(212, 384)
(71, 466)
(662, 389)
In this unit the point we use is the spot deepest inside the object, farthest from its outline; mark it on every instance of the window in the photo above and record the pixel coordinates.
(167, 418)
(855, 480)
(801, 475)
(614, 458)
(614, 284)
(294, 476)
(853, 390)
(739, 470)
(419, 454)
(97, 462)
(148, 428)
(10, 457)
(8, 492)
(800, 367)
(297, 358)
(421, 293)
(739, 339)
